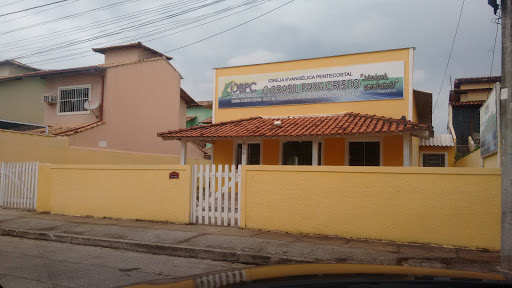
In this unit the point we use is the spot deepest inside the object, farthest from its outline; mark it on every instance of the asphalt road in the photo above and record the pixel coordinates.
(35, 263)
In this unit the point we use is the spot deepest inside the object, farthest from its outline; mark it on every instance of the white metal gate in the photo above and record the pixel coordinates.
(18, 184)
(216, 195)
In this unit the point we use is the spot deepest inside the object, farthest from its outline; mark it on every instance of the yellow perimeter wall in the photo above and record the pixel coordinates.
(475, 160)
(391, 108)
(120, 191)
(17, 147)
(444, 206)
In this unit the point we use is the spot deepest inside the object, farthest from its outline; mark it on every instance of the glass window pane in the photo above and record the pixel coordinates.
(356, 153)
(371, 153)
(253, 154)
(297, 153)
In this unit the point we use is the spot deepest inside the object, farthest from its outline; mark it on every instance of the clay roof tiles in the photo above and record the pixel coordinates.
(300, 126)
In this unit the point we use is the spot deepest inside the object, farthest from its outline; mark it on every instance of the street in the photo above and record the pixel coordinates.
(35, 263)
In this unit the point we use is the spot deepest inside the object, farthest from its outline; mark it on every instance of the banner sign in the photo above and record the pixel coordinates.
(489, 123)
(366, 82)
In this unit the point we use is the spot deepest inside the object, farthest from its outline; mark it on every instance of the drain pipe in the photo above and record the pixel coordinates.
(102, 94)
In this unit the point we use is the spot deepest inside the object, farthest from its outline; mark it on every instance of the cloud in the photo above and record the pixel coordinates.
(419, 76)
(258, 56)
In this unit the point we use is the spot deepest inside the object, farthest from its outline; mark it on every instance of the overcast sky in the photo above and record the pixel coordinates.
(300, 29)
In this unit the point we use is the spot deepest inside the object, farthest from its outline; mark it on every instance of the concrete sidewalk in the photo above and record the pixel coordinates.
(236, 245)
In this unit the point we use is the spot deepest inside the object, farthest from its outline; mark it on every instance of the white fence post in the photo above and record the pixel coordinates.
(219, 202)
(200, 212)
(2, 183)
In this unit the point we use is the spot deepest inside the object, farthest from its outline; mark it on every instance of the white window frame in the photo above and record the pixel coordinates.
(426, 152)
(379, 139)
(73, 113)
(235, 147)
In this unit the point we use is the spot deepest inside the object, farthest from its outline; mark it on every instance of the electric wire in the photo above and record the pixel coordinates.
(449, 56)
(179, 24)
(72, 43)
(37, 12)
(224, 31)
(39, 24)
(43, 38)
(497, 21)
(69, 56)
(32, 8)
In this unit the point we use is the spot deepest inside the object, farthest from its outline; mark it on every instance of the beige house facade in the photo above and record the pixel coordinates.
(137, 93)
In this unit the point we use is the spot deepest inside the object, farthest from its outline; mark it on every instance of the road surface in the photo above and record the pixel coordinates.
(36, 263)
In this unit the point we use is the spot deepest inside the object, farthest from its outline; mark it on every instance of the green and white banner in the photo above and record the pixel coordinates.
(366, 82)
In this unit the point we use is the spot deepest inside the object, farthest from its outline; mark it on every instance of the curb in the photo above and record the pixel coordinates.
(154, 248)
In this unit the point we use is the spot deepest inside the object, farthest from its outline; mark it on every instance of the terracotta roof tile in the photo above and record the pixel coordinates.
(16, 63)
(300, 126)
(189, 101)
(207, 121)
(491, 79)
(468, 103)
(66, 130)
(206, 104)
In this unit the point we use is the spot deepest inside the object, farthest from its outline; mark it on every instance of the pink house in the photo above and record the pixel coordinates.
(139, 94)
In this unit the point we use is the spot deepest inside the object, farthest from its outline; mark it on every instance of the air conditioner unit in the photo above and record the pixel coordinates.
(51, 99)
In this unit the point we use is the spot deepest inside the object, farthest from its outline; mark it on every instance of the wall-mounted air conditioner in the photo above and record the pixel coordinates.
(51, 99)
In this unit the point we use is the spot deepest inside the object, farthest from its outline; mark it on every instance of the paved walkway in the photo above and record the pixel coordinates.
(234, 244)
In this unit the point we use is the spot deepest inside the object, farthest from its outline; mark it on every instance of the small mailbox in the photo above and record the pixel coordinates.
(174, 175)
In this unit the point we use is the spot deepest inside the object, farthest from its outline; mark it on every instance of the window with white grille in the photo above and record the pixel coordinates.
(72, 99)
(433, 160)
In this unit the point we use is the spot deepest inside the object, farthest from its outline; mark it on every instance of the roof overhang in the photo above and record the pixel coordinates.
(302, 127)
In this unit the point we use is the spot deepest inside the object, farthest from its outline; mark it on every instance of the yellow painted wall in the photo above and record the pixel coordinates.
(334, 152)
(17, 147)
(444, 206)
(415, 152)
(223, 152)
(142, 192)
(391, 108)
(475, 96)
(472, 160)
(270, 152)
(491, 161)
(448, 149)
(393, 150)
(476, 85)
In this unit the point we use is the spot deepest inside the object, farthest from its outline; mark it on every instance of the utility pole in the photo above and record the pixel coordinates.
(506, 135)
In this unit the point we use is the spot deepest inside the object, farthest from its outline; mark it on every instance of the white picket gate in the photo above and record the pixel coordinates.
(18, 184)
(216, 195)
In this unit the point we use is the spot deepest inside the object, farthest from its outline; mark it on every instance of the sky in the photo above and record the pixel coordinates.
(62, 35)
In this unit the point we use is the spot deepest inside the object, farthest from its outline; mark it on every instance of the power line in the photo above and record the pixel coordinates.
(69, 16)
(495, 40)
(188, 22)
(66, 44)
(40, 11)
(31, 8)
(201, 40)
(179, 24)
(8, 4)
(449, 56)
(30, 42)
